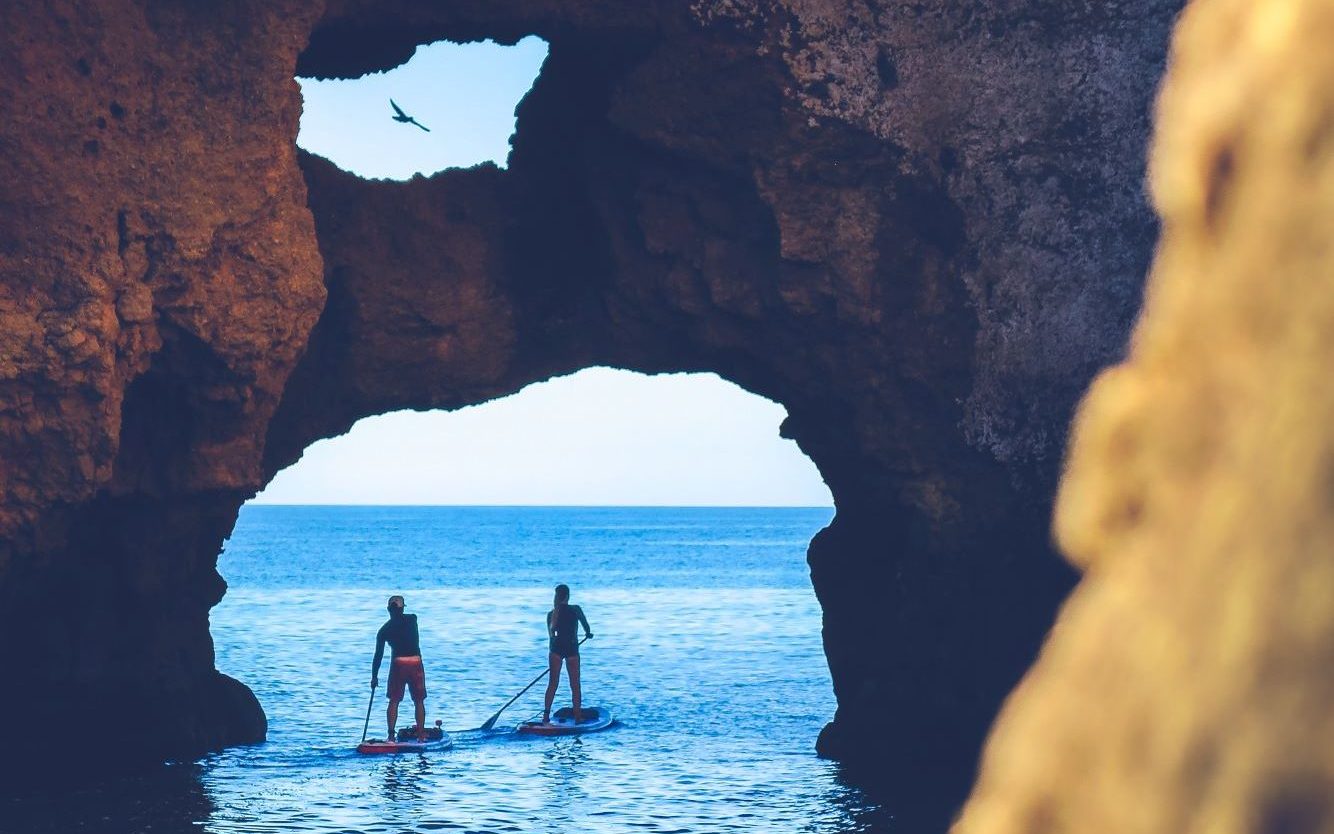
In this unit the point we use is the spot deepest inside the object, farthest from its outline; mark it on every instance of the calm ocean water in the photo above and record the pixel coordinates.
(707, 650)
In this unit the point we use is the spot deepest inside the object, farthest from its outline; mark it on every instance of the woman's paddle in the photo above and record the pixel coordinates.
(368, 715)
(491, 722)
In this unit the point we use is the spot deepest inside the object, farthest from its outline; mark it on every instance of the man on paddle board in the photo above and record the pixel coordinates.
(562, 622)
(405, 665)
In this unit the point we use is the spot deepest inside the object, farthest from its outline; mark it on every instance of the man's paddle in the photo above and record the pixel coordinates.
(368, 714)
(491, 722)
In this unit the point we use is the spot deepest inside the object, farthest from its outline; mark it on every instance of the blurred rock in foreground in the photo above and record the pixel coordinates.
(1189, 683)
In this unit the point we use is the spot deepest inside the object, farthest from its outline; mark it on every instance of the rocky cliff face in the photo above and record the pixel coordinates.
(158, 280)
(918, 227)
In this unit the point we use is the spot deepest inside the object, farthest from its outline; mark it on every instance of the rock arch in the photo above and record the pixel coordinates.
(919, 228)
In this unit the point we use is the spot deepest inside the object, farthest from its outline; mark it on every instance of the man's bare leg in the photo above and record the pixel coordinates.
(421, 720)
(553, 680)
(392, 716)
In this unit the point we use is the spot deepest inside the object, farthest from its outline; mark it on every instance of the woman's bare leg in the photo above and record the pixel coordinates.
(553, 680)
(572, 666)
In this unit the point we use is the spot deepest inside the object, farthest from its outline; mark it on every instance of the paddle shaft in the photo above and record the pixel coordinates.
(367, 726)
(491, 722)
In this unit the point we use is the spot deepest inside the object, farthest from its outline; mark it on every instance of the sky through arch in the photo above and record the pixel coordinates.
(597, 437)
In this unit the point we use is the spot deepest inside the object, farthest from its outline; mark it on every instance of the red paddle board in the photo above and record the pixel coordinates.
(407, 742)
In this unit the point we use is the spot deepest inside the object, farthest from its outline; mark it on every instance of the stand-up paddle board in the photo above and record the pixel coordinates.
(407, 742)
(563, 723)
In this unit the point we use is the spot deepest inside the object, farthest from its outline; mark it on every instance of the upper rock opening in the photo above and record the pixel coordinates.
(450, 105)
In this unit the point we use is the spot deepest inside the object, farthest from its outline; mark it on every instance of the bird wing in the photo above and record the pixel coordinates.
(420, 125)
(397, 109)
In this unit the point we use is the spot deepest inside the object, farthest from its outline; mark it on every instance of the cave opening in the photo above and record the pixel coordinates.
(460, 96)
(669, 503)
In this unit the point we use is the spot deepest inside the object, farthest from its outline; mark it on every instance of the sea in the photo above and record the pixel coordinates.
(706, 650)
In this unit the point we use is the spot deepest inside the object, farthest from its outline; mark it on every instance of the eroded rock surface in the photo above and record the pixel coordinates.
(918, 227)
(1189, 683)
(158, 280)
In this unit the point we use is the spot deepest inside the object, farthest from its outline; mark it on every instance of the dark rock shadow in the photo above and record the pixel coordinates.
(164, 798)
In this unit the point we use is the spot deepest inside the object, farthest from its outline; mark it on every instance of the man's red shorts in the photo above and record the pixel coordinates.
(409, 672)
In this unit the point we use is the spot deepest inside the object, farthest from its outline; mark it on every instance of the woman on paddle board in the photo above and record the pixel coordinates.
(564, 646)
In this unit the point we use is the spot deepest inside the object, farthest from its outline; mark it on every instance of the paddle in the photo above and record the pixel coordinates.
(367, 726)
(491, 722)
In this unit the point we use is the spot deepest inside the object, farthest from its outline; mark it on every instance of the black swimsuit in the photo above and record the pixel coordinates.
(561, 624)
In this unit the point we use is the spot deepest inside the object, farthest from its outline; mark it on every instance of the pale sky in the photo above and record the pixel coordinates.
(598, 437)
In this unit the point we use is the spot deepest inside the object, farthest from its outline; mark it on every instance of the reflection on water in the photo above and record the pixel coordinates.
(709, 657)
(562, 781)
(404, 778)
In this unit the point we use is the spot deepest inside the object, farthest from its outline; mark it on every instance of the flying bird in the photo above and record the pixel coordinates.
(400, 116)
